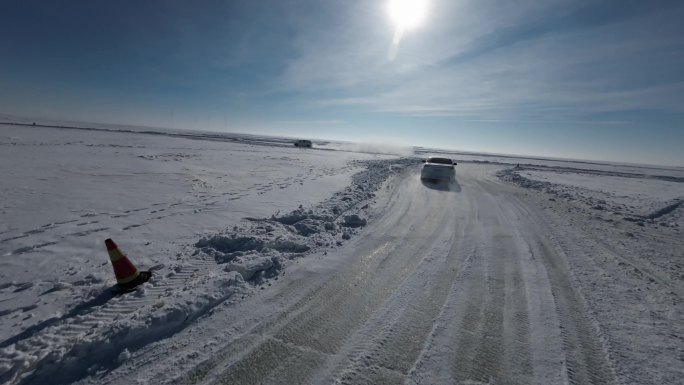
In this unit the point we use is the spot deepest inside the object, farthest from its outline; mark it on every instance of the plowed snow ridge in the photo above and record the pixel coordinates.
(462, 283)
(91, 340)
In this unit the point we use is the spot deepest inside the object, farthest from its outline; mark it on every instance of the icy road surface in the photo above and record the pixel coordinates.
(469, 283)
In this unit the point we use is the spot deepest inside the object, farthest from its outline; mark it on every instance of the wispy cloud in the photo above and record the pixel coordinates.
(552, 61)
(306, 66)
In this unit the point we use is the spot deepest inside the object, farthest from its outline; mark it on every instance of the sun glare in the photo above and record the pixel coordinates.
(407, 14)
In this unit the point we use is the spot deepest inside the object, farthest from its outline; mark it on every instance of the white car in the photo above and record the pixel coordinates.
(303, 143)
(438, 169)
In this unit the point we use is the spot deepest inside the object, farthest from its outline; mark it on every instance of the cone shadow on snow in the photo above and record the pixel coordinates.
(441, 185)
(80, 309)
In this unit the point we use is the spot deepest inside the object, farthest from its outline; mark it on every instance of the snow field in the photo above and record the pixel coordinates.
(639, 198)
(627, 257)
(176, 205)
(549, 272)
(640, 215)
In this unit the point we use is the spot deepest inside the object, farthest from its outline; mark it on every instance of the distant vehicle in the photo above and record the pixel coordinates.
(303, 143)
(438, 169)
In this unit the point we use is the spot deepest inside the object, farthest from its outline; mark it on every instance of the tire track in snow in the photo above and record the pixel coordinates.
(518, 363)
(487, 365)
(399, 215)
(329, 316)
(481, 339)
(79, 347)
(493, 341)
(511, 313)
(328, 322)
(483, 334)
(80, 341)
(659, 344)
(466, 341)
(208, 370)
(386, 350)
(586, 358)
(391, 344)
(390, 350)
(389, 273)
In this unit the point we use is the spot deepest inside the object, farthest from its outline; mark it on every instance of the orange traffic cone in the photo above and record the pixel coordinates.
(127, 276)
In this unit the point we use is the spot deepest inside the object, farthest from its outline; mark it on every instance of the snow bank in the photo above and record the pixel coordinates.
(165, 200)
(261, 248)
(640, 218)
(83, 344)
(643, 200)
(65, 191)
(92, 330)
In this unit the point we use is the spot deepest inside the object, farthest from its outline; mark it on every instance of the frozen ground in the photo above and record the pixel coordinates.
(280, 265)
(65, 191)
(639, 214)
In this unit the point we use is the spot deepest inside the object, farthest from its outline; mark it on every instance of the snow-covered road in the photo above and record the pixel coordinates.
(446, 287)
(466, 283)
(277, 265)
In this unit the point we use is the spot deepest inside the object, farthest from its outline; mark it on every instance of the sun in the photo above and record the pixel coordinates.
(407, 14)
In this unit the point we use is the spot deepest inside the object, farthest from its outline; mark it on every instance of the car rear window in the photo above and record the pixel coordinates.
(440, 160)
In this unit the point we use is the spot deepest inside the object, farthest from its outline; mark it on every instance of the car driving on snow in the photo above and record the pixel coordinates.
(438, 169)
(303, 143)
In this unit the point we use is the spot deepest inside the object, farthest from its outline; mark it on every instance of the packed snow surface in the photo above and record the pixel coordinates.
(274, 264)
(206, 216)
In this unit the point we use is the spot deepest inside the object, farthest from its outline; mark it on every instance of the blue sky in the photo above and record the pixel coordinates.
(586, 79)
